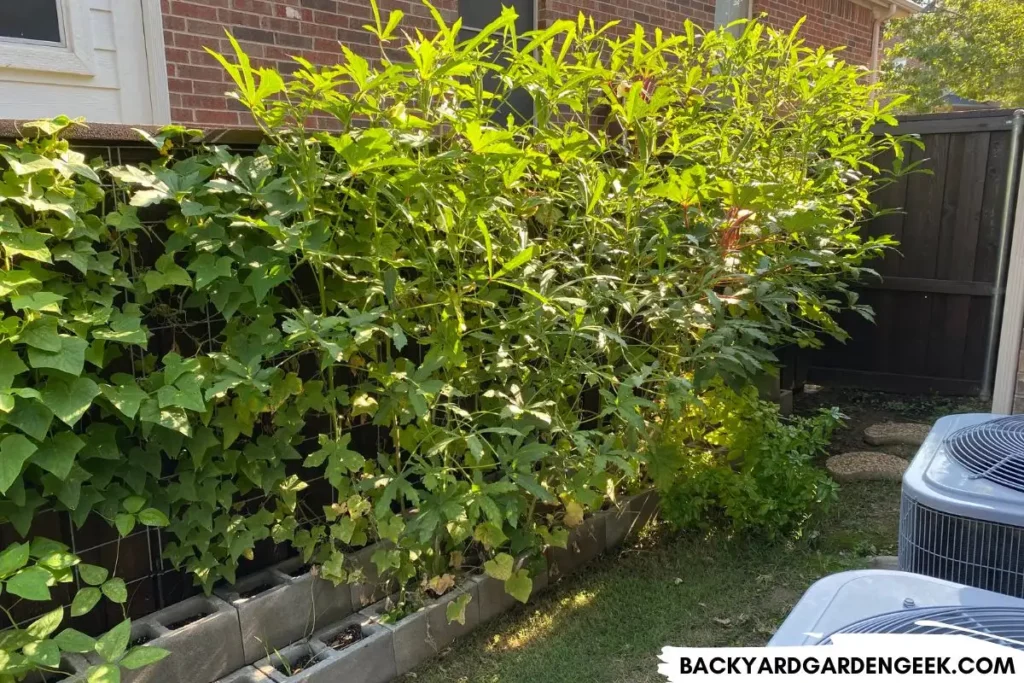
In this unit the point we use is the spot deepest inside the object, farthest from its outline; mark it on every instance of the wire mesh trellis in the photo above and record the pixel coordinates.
(152, 581)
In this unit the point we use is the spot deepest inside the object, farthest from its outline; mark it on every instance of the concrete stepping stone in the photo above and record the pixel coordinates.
(866, 466)
(889, 433)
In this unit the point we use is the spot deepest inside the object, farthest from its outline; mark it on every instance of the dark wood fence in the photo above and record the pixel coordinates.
(934, 302)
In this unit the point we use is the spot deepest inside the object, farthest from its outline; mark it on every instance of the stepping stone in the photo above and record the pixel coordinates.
(866, 466)
(888, 433)
(884, 562)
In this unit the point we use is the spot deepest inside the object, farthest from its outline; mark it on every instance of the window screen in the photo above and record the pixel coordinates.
(476, 14)
(30, 20)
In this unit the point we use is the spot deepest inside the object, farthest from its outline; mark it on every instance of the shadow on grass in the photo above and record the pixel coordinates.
(608, 623)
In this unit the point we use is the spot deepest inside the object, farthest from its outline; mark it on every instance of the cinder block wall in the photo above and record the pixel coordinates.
(271, 31)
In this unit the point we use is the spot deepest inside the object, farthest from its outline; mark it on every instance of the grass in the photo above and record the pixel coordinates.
(608, 624)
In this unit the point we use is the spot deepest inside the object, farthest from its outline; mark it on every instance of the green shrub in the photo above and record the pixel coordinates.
(734, 462)
(467, 326)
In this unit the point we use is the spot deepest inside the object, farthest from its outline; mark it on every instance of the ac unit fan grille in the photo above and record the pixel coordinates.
(960, 549)
(1001, 625)
(991, 450)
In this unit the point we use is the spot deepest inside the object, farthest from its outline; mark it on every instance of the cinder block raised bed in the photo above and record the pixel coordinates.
(202, 635)
(586, 542)
(630, 517)
(371, 589)
(282, 605)
(72, 670)
(249, 674)
(425, 632)
(332, 656)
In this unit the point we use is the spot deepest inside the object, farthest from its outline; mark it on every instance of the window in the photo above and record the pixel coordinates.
(30, 20)
(476, 14)
(728, 11)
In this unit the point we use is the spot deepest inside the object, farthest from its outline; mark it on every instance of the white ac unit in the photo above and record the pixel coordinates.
(881, 601)
(962, 513)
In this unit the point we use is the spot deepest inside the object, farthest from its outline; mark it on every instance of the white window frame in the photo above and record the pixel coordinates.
(73, 55)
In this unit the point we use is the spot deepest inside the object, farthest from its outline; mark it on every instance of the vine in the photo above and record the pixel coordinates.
(470, 326)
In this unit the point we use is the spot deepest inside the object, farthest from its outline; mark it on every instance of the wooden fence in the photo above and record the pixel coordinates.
(933, 305)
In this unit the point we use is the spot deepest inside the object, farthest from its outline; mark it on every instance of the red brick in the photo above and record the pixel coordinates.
(271, 31)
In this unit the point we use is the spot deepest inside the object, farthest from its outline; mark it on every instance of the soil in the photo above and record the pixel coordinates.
(300, 664)
(348, 636)
(141, 640)
(865, 408)
(190, 620)
(256, 590)
(298, 571)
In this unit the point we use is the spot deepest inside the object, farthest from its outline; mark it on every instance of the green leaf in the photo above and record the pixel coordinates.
(69, 401)
(31, 417)
(489, 534)
(84, 601)
(520, 586)
(10, 367)
(104, 673)
(92, 574)
(139, 657)
(500, 567)
(71, 640)
(125, 523)
(115, 590)
(126, 397)
(70, 358)
(520, 259)
(27, 243)
(57, 454)
(167, 274)
(46, 624)
(45, 653)
(41, 334)
(153, 517)
(40, 301)
(111, 645)
(31, 583)
(13, 558)
(208, 269)
(455, 610)
(15, 450)
(133, 504)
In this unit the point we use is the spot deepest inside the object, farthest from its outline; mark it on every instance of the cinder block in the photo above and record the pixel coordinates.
(422, 634)
(494, 601)
(786, 402)
(289, 609)
(247, 675)
(369, 660)
(586, 542)
(372, 588)
(74, 665)
(627, 520)
(200, 651)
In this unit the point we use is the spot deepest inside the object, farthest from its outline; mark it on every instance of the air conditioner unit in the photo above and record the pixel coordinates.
(880, 601)
(962, 512)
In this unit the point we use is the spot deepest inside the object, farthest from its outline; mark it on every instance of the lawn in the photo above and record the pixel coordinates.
(609, 623)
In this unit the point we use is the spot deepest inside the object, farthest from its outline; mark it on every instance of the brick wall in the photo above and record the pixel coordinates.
(831, 23)
(271, 31)
(667, 14)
